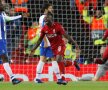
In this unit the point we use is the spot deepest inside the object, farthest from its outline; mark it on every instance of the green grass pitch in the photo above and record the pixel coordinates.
(85, 85)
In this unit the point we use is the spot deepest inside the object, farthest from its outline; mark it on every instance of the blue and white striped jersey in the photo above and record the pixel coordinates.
(2, 28)
(3, 19)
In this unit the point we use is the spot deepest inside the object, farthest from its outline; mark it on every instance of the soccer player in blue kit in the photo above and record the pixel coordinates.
(3, 50)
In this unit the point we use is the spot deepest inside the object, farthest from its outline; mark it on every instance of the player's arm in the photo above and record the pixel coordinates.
(71, 40)
(37, 44)
(45, 42)
(8, 18)
(38, 41)
(86, 17)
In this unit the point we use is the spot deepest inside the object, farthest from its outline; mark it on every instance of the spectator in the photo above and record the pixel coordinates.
(19, 2)
(31, 38)
(98, 26)
(81, 3)
(69, 52)
(19, 55)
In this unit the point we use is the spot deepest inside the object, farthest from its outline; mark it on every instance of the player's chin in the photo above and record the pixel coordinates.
(49, 24)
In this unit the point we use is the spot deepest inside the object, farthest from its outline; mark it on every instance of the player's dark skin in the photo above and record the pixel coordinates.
(4, 57)
(49, 22)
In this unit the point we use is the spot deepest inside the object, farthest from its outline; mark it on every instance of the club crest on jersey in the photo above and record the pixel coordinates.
(51, 35)
(59, 48)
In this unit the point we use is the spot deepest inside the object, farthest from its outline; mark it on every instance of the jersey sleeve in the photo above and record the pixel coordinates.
(105, 35)
(87, 18)
(8, 18)
(42, 33)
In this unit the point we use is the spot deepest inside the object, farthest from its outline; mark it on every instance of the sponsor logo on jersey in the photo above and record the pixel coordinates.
(51, 35)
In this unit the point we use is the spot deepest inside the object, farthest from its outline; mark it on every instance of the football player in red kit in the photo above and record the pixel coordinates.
(54, 32)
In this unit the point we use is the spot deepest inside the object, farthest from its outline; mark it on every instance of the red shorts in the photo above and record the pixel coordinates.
(105, 54)
(59, 50)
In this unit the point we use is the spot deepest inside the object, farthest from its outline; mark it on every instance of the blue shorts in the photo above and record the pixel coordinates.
(47, 52)
(3, 49)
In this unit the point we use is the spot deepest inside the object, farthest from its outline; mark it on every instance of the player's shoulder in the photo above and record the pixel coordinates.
(44, 27)
(57, 24)
(42, 17)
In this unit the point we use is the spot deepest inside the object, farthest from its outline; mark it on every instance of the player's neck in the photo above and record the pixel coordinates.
(50, 25)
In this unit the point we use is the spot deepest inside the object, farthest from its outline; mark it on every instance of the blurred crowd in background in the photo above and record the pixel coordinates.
(21, 34)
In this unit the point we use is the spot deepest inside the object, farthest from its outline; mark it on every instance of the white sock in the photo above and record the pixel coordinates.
(39, 69)
(8, 69)
(56, 69)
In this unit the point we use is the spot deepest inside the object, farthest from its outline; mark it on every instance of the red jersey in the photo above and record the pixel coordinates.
(54, 34)
(105, 35)
(105, 54)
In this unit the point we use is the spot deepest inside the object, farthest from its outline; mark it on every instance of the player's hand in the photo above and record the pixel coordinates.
(25, 15)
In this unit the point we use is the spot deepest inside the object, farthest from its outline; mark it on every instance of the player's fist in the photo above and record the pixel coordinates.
(25, 15)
